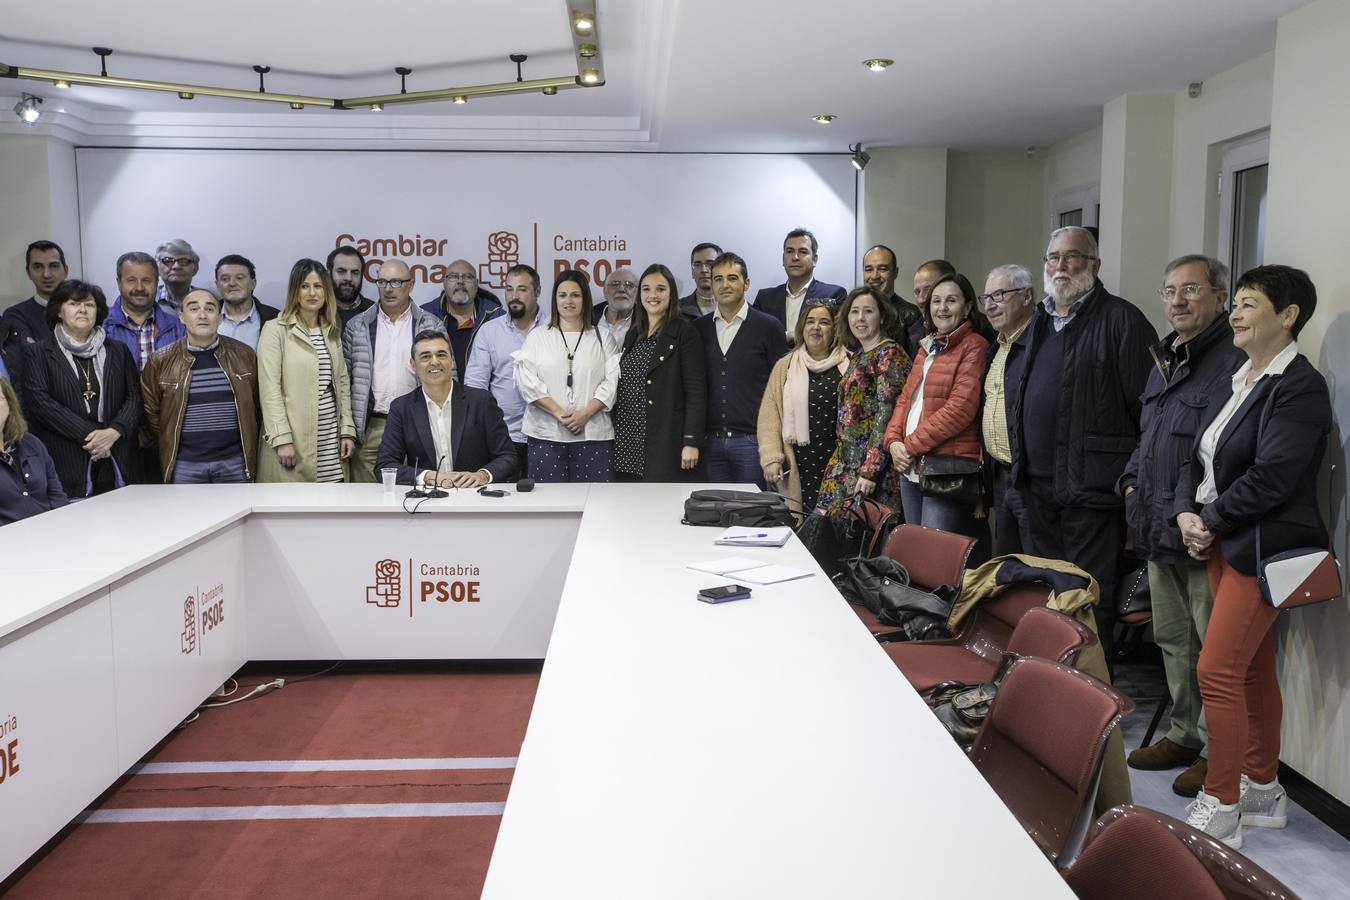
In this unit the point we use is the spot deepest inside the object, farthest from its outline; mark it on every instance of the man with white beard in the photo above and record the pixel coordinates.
(1076, 416)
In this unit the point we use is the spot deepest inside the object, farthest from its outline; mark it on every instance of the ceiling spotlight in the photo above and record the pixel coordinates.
(823, 119)
(550, 91)
(29, 109)
(186, 95)
(297, 106)
(587, 51)
(590, 76)
(878, 64)
(62, 83)
(860, 157)
(460, 99)
(583, 22)
(377, 107)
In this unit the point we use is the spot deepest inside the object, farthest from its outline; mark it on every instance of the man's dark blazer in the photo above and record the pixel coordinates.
(1272, 485)
(690, 309)
(53, 403)
(773, 300)
(265, 313)
(478, 436)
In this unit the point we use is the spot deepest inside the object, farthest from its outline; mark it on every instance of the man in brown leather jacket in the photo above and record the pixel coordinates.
(201, 401)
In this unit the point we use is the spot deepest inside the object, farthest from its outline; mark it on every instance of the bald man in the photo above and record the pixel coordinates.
(377, 344)
(463, 306)
(615, 315)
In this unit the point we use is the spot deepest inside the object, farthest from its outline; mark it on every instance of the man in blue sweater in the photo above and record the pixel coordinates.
(742, 344)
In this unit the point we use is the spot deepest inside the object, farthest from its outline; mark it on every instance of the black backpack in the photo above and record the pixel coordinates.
(726, 508)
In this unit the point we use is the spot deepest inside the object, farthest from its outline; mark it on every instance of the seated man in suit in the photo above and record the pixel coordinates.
(458, 432)
(784, 301)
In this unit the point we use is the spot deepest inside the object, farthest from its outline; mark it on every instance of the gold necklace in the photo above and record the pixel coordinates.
(89, 393)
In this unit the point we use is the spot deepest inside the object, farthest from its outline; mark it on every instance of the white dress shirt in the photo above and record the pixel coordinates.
(726, 331)
(541, 371)
(792, 307)
(392, 374)
(439, 416)
(1208, 492)
(613, 335)
(915, 415)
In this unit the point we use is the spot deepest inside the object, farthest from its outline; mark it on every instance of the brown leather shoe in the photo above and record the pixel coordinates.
(1189, 783)
(1162, 755)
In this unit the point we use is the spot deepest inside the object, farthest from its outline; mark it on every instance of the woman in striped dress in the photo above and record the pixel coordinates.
(308, 433)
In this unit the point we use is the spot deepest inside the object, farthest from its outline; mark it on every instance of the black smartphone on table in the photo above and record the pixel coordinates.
(724, 593)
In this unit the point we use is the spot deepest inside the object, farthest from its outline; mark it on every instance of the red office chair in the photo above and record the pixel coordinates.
(932, 558)
(1040, 632)
(1138, 854)
(1041, 749)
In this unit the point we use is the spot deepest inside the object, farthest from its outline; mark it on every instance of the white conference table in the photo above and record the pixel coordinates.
(758, 748)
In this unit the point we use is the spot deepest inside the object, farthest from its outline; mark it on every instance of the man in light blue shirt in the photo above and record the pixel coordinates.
(490, 365)
(242, 315)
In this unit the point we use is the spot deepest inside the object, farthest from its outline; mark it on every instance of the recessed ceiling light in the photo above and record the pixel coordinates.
(62, 83)
(878, 64)
(590, 76)
(377, 107)
(583, 22)
(823, 119)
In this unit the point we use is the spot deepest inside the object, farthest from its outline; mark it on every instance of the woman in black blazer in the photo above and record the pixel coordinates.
(81, 393)
(28, 481)
(660, 413)
(1254, 467)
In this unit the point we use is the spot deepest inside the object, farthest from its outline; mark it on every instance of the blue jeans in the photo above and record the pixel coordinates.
(945, 515)
(733, 460)
(217, 471)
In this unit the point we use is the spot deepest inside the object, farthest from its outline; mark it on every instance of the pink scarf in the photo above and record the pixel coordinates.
(796, 391)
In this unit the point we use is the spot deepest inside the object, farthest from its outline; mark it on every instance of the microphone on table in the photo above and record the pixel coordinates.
(415, 491)
(525, 485)
(436, 493)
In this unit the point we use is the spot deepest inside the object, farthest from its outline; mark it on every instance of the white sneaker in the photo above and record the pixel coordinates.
(1221, 821)
(1263, 805)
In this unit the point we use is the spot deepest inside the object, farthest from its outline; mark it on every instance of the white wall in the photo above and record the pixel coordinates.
(1232, 104)
(1070, 164)
(994, 211)
(903, 204)
(1309, 195)
(37, 190)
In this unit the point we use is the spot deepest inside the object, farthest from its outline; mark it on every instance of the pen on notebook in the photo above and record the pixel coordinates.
(745, 537)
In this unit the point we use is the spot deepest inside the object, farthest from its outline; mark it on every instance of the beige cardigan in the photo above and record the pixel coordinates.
(288, 388)
(772, 447)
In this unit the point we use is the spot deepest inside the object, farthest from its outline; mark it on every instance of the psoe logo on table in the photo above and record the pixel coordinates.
(387, 590)
(9, 748)
(203, 611)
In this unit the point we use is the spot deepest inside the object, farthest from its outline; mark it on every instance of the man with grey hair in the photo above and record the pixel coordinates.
(378, 345)
(1075, 418)
(1190, 365)
(614, 317)
(1009, 299)
(464, 305)
(178, 264)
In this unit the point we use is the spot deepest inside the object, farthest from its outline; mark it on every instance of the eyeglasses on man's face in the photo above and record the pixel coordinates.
(461, 276)
(169, 262)
(391, 282)
(1189, 291)
(1072, 258)
(996, 298)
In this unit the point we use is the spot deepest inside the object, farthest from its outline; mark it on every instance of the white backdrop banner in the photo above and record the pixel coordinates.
(592, 211)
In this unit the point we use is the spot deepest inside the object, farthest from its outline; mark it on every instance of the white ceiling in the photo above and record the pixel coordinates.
(745, 75)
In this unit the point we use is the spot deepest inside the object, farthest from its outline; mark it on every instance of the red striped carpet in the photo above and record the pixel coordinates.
(354, 784)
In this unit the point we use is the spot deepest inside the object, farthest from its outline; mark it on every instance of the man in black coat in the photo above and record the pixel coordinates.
(879, 267)
(741, 345)
(25, 323)
(784, 301)
(1190, 366)
(442, 432)
(1075, 420)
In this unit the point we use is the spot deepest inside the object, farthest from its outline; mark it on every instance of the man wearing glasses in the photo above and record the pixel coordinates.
(701, 302)
(463, 307)
(1075, 420)
(178, 264)
(614, 317)
(1189, 365)
(378, 345)
(1008, 300)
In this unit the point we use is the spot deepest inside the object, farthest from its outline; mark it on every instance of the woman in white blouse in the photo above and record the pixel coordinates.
(569, 383)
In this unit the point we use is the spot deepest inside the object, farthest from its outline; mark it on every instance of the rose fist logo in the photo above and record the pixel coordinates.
(388, 587)
(503, 252)
(188, 639)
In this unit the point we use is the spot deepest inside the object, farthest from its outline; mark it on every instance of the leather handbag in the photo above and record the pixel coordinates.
(1299, 577)
(881, 585)
(961, 707)
(1133, 596)
(955, 478)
